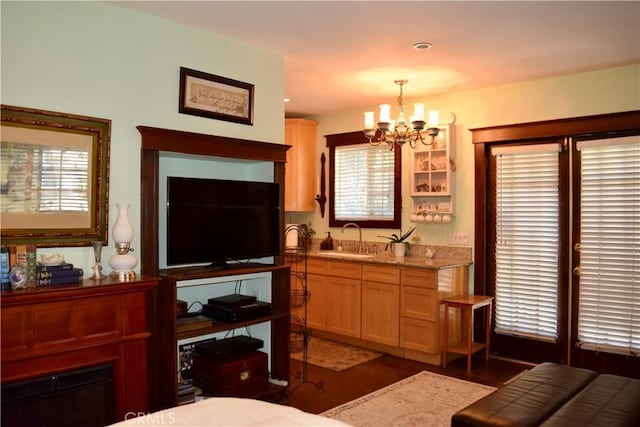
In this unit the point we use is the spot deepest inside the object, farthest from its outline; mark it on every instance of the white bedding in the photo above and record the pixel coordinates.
(229, 411)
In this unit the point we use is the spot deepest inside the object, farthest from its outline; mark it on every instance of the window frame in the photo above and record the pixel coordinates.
(355, 138)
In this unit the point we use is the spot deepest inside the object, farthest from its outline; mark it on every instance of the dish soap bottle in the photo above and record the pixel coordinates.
(327, 244)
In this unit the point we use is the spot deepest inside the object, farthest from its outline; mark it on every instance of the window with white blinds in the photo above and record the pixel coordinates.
(527, 229)
(364, 183)
(44, 179)
(609, 295)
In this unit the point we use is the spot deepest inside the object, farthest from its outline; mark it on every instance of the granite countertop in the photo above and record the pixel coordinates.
(407, 261)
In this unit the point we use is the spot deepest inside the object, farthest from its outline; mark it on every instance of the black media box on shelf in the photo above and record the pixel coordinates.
(229, 347)
(233, 300)
(236, 308)
(244, 375)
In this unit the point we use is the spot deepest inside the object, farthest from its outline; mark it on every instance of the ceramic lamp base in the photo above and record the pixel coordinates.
(123, 265)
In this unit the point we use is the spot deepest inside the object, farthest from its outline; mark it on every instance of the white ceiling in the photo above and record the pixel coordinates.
(346, 54)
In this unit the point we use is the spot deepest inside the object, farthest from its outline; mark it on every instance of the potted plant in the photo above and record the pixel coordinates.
(398, 242)
(305, 236)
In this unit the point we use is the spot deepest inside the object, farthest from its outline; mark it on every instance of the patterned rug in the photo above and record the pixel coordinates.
(425, 399)
(335, 356)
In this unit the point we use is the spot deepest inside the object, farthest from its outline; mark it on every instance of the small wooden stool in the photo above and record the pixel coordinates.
(467, 304)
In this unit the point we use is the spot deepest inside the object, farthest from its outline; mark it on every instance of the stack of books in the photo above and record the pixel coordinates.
(60, 274)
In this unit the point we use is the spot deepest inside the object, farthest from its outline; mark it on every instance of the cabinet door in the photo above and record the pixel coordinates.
(380, 312)
(419, 303)
(300, 170)
(317, 303)
(344, 308)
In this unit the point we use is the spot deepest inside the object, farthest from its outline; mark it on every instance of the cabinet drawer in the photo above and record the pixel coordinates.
(381, 273)
(316, 266)
(351, 270)
(418, 335)
(419, 303)
(419, 277)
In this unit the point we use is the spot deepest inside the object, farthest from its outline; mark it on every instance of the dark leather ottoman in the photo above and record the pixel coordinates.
(528, 400)
(609, 400)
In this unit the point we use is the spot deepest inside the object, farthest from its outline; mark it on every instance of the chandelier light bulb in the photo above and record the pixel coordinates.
(418, 112)
(433, 118)
(369, 120)
(385, 113)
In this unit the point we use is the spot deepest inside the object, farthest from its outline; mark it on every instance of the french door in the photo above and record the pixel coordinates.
(605, 327)
(563, 234)
(528, 237)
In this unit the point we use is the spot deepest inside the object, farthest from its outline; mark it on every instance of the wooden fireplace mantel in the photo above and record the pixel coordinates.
(61, 328)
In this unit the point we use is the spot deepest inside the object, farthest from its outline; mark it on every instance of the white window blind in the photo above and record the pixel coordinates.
(527, 227)
(609, 296)
(364, 183)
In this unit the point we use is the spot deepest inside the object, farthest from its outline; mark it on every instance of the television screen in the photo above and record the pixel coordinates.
(214, 221)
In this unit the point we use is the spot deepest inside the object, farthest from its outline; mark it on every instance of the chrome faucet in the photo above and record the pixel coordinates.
(353, 224)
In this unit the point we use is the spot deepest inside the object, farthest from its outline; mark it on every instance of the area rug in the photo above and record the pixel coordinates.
(334, 355)
(425, 399)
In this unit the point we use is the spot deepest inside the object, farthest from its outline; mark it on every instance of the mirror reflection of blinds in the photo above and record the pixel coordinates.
(46, 179)
(364, 179)
(609, 299)
(527, 229)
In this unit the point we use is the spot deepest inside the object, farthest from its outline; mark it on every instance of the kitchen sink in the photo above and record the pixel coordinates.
(346, 255)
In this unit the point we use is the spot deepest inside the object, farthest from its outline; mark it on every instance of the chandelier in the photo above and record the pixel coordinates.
(400, 132)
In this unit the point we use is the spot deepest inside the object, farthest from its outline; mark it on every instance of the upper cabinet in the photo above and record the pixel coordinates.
(300, 170)
(432, 167)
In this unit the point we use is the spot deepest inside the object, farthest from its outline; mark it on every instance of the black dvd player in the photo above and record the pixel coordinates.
(223, 348)
(233, 314)
(233, 300)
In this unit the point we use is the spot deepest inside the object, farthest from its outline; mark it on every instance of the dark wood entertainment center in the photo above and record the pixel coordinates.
(163, 365)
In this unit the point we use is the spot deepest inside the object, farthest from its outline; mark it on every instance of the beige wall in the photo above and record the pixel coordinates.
(95, 59)
(605, 91)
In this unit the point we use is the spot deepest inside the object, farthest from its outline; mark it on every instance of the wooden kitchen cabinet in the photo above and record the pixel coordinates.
(335, 291)
(392, 308)
(300, 170)
(421, 315)
(343, 304)
(380, 304)
(344, 289)
(317, 302)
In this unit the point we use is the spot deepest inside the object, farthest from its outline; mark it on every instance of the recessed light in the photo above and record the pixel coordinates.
(287, 100)
(422, 46)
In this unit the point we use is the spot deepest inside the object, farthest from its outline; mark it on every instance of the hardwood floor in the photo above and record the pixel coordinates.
(342, 387)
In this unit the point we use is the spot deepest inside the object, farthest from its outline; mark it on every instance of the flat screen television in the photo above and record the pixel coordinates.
(212, 221)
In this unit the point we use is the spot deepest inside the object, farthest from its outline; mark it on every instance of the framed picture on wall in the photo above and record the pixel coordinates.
(215, 97)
